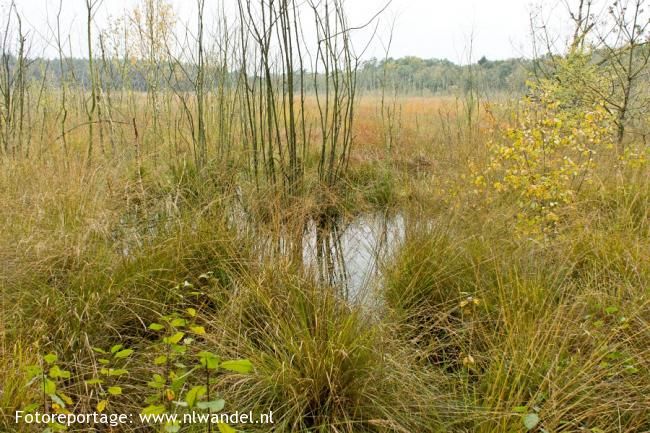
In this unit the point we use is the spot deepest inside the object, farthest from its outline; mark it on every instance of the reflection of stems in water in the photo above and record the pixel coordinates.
(330, 254)
(339, 255)
(381, 242)
(323, 255)
(323, 244)
(382, 239)
(343, 266)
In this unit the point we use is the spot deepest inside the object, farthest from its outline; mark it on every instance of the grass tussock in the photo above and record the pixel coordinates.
(320, 362)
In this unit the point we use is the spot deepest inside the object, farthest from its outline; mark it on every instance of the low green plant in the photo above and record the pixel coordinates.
(111, 370)
(49, 377)
(184, 378)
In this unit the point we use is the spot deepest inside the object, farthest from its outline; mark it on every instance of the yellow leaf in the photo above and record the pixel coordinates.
(65, 398)
(102, 405)
(198, 329)
(225, 428)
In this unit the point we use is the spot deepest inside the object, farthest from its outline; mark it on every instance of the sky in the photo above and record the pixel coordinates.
(496, 29)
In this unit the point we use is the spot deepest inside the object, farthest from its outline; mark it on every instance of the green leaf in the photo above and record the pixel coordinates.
(213, 406)
(531, 420)
(615, 355)
(116, 348)
(191, 312)
(104, 361)
(225, 428)
(99, 350)
(520, 409)
(209, 360)
(157, 383)
(50, 358)
(611, 310)
(153, 410)
(156, 327)
(176, 348)
(177, 323)
(160, 360)
(238, 366)
(49, 387)
(174, 427)
(178, 382)
(94, 382)
(174, 339)
(115, 390)
(113, 372)
(124, 353)
(30, 408)
(194, 394)
(158, 378)
(153, 398)
(33, 371)
(56, 373)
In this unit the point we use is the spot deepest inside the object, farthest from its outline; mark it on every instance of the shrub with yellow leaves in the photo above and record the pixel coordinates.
(635, 156)
(546, 158)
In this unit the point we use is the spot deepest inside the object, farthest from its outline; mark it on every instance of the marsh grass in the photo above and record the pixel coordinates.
(163, 230)
(555, 328)
(474, 326)
(320, 362)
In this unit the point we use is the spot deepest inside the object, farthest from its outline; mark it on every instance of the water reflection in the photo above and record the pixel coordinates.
(340, 252)
(346, 254)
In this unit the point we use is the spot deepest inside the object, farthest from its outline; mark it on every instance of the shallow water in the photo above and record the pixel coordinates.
(348, 255)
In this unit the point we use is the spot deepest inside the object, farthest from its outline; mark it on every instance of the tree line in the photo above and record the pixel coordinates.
(406, 75)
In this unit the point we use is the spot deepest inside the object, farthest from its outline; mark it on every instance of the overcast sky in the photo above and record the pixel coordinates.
(425, 28)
